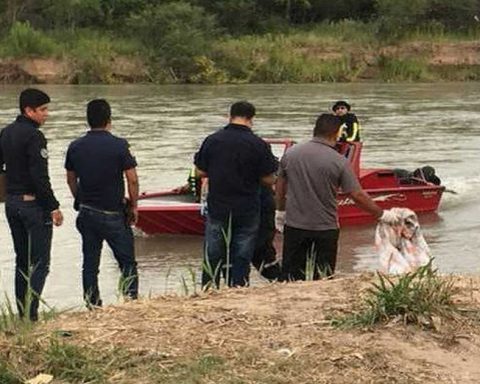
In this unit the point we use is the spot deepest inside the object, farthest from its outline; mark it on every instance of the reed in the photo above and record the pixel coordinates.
(227, 236)
(416, 297)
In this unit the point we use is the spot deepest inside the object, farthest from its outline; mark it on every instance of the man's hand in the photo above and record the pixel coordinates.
(279, 220)
(57, 217)
(133, 217)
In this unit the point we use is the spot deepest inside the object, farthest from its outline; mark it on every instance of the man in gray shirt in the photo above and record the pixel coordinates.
(314, 172)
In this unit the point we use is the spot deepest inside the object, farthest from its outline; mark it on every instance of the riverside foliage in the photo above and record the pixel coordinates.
(216, 41)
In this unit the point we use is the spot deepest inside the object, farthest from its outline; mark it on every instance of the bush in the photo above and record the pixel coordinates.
(93, 60)
(23, 40)
(176, 33)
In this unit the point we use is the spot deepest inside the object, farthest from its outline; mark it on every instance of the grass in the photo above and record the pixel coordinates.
(414, 298)
(395, 69)
(327, 52)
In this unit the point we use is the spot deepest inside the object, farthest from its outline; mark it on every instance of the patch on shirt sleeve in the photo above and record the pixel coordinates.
(44, 153)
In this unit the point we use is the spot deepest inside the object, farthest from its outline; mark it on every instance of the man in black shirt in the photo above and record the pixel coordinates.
(95, 164)
(31, 207)
(236, 161)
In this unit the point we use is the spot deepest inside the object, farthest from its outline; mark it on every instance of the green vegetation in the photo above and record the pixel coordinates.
(230, 41)
(416, 297)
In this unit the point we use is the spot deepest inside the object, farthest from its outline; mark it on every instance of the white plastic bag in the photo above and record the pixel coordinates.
(400, 244)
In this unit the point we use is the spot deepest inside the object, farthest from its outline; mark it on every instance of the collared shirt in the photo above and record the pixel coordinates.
(99, 160)
(234, 159)
(315, 171)
(23, 150)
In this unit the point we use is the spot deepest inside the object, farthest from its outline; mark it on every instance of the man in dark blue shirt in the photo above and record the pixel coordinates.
(95, 165)
(235, 161)
(31, 207)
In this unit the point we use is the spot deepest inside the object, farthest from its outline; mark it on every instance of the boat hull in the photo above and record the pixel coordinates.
(157, 216)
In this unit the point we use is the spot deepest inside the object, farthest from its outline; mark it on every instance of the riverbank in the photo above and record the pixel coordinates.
(301, 57)
(281, 333)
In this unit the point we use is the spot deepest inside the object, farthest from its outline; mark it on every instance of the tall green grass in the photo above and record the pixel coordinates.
(394, 70)
(416, 297)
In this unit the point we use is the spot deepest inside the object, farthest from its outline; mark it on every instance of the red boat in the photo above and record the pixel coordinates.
(178, 213)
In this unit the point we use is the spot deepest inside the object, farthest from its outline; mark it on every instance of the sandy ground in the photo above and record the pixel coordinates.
(281, 333)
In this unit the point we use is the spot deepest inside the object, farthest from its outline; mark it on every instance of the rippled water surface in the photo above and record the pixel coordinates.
(404, 126)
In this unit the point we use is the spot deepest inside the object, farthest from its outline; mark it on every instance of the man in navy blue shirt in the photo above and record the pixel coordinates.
(31, 206)
(96, 163)
(236, 161)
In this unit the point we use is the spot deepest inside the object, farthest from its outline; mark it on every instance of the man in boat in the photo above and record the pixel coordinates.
(236, 162)
(96, 164)
(31, 206)
(309, 177)
(350, 127)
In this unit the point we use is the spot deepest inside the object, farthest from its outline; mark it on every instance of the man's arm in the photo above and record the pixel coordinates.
(72, 183)
(38, 168)
(268, 180)
(281, 193)
(365, 202)
(133, 191)
(200, 173)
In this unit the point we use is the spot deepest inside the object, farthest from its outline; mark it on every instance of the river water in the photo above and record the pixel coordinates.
(404, 126)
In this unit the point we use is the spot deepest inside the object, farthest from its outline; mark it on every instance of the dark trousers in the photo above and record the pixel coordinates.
(31, 228)
(264, 257)
(308, 254)
(229, 246)
(95, 227)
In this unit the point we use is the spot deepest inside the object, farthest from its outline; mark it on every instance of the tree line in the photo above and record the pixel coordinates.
(239, 16)
(201, 40)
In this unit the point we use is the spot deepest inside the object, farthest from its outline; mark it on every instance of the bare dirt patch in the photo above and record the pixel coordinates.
(281, 333)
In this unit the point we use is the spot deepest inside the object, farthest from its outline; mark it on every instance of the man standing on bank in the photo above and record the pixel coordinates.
(95, 164)
(236, 161)
(30, 206)
(310, 176)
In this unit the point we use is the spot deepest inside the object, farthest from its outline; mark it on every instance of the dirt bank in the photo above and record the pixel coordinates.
(437, 60)
(275, 334)
(120, 69)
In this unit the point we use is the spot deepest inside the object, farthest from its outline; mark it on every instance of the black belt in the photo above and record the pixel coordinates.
(89, 208)
(21, 196)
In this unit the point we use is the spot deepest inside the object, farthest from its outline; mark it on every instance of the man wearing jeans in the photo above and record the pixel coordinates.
(30, 206)
(95, 165)
(235, 161)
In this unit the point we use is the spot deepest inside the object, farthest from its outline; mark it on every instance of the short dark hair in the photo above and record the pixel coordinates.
(98, 113)
(326, 125)
(341, 103)
(33, 98)
(242, 109)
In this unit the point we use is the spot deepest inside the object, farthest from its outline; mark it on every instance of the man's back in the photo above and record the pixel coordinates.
(235, 159)
(99, 160)
(315, 171)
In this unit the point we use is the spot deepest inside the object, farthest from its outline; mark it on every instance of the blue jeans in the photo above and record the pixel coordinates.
(229, 257)
(31, 228)
(96, 226)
